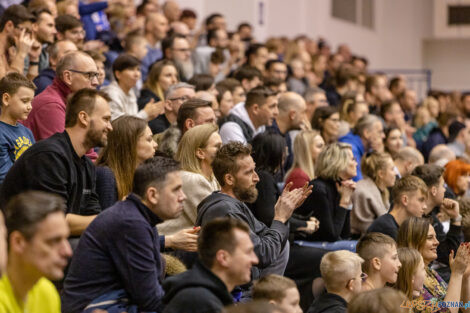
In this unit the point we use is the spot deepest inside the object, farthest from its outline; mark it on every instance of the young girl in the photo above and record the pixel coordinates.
(411, 274)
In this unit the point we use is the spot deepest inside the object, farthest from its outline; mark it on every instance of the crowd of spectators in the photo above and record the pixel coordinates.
(151, 165)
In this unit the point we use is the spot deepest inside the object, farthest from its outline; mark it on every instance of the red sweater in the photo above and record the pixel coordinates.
(298, 177)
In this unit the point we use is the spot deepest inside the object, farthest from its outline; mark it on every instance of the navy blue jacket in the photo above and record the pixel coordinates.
(43, 80)
(120, 249)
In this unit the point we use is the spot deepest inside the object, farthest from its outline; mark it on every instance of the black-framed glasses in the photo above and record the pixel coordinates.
(89, 75)
(182, 99)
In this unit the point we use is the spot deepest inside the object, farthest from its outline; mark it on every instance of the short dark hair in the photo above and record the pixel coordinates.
(201, 81)
(247, 72)
(212, 34)
(373, 245)
(217, 57)
(66, 22)
(244, 24)
(188, 13)
(270, 63)
(229, 83)
(394, 82)
(188, 110)
(268, 151)
(11, 82)
(168, 41)
(152, 172)
(225, 161)
(218, 234)
(82, 100)
(26, 210)
(408, 183)
(124, 62)
(429, 173)
(258, 95)
(210, 19)
(253, 49)
(17, 14)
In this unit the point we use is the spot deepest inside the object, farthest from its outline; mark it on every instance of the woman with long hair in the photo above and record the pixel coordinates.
(162, 75)
(327, 121)
(129, 144)
(307, 146)
(371, 198)
(393, 141)
(196, 151)
(419, 234)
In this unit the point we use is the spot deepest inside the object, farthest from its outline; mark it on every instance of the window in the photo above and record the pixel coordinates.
(360, 12)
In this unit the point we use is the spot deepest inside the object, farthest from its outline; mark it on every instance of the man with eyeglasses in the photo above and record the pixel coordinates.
(174, 98)
(342, 273)
(76, 70)
(276, 69)
(177, 48)
(70, 28)
(15, 26)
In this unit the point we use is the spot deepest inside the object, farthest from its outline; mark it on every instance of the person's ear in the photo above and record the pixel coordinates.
(9, 26)
(17, 242)
(168, 106)
(5, 99)
(168, 53)
(67, 78)
(60, 36)
(272, 302)
(153, 195)
(223, 258)
(84, 118)
(255, 108)
(245, 84)
(200, 154)
(189, 123)
(350, 285)
(35, 27)
(229, 179)
(433, 191)
(118, 75)
(292, 115)
(376, 264)
(404, 199)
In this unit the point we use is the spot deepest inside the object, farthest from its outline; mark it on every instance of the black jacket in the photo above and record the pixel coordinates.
(268, 241)
(195, 291)
(323, 203)
(328, 303)
(52, 165)
(385, 224)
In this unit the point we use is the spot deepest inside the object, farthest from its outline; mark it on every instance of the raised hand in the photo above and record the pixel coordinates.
(450, 207)
(154, 109)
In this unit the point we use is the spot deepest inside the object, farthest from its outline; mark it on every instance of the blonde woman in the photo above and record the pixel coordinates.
(196, 151)
(307, 146)
(371, 198)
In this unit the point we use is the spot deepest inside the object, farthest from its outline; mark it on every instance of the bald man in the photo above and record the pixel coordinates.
(292, 116)
(172, 11)
(75, 70)
(156, 28)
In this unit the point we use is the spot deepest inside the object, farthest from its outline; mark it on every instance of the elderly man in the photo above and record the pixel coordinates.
(75, 71)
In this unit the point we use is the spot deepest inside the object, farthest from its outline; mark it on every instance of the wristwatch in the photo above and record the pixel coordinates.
(457, 219)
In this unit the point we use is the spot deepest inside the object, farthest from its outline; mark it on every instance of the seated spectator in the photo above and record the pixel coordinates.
(138, 269)
(424, 124)
(195, 112)
(376, 92)
(458, 138)
(276, 69)
(249, 77)
(441, 155)
(33, 219)
(330, 201)
(129, 145)
(56, 51)
(59, 165)
(44, 33)
(406, 160)
(371, 198)
(315, 98)
(408, 103)
(278, 290)
(16, 94)
(457, 177)
(276, 85)
(176, 48)
(17, 17)
(246, 120)
(326, 120)
(225, 100)
(70, 28)
(439, 134)
(437, 204)
(384, 300)
(341, 271)
(297, 82)
(235, 87)
(308, 145)
(99, 59)
(156, 28)
(381, 263)
(175, 96)
(393, 141)
(203, 82)
(353, 107)
(418, 234)
(74, 72)
(126, 72)
(196, 152)
(226, 256)
(412, 273)
(367, 136)
(162, 76)
(217, 39)
(409, 199)
(235, 171)
(291, 117)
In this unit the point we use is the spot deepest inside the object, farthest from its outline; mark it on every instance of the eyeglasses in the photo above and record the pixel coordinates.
(78, 32)
(182, 49)
(89, 75)
(182, 99)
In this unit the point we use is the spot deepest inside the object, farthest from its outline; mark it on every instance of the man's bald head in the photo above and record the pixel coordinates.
(291, 101)
(78, 71)
(157, 25)
(441, 155)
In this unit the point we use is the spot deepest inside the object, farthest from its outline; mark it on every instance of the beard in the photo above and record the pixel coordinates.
(95, 138)
(185, 68)
(248, 195)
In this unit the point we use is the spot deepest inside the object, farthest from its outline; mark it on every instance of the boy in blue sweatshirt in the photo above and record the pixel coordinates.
(16, 94)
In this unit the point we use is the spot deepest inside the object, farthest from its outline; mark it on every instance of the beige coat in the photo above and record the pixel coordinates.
(196, 187)
(367, 206)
